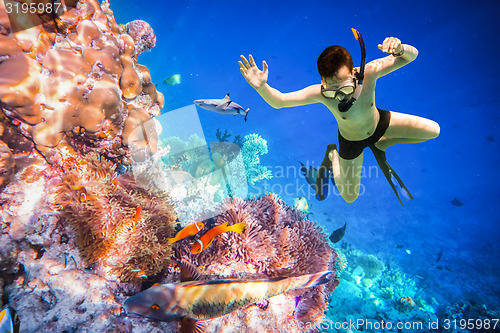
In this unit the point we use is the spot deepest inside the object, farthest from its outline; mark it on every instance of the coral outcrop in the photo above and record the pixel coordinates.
(277, 241)
(75, 80)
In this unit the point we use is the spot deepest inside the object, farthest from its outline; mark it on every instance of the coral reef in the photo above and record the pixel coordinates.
(72, 231)
(372, 291)
(462, 312)
(75, 81)
(196, 158)
(40, 267)
(277, 241)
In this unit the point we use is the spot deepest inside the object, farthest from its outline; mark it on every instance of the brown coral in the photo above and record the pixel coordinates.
(121, 227)
(74, 78)
(278, 241)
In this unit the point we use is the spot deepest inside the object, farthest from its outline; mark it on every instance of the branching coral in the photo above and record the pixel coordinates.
(277, 241)
(222, 137)
(121, 227)
(76, 80)
(254, 146)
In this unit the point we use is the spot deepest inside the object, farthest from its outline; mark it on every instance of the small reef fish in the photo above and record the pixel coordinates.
(222, 106)
(189, 230)
(407, 301)
(310, 174)
(457, 203)
(301, 204)
(206, 240)
(439, 256)
(440, 268)
(137, 214)
(173, 80)
(9, 320)
(201, 300)
(338, 234)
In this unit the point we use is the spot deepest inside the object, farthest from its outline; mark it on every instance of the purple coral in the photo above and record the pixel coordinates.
(143, 35)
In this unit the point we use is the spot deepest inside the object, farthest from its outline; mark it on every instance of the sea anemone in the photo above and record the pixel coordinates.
(121, 228)
(278, 241)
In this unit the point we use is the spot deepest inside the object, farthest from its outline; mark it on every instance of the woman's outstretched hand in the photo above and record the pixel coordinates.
(255, 77)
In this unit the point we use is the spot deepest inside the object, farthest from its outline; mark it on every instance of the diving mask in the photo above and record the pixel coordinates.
(344, 90)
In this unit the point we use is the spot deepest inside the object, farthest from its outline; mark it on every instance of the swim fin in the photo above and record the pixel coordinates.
(318, 179)
(392, 177)
(325, 171)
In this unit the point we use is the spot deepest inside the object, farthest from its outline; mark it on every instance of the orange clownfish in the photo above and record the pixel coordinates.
(137, 214)
(187, 231)
(207, 239)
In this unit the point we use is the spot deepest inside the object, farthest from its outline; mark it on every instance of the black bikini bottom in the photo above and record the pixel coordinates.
(349, 150)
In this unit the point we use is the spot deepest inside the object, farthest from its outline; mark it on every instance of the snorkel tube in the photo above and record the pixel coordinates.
(361, 75)
(344, 106)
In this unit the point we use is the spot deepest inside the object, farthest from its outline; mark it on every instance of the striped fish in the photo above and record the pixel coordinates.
(9, 321)
(202, 300)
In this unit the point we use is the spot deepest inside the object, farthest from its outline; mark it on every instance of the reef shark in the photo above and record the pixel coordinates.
(222, 106)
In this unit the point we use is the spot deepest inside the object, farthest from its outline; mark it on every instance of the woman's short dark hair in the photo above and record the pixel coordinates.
(332, 59)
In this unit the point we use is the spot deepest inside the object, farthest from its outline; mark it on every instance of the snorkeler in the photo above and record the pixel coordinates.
(349, 94)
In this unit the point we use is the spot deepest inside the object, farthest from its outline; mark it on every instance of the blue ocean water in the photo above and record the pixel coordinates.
(452, 81)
